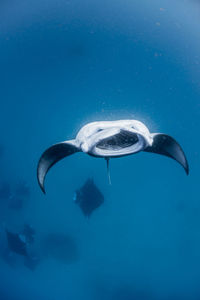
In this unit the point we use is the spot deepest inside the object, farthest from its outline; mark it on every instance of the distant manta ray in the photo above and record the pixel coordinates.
(109, 139)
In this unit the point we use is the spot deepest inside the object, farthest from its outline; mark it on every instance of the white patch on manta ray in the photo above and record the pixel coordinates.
(93, 133)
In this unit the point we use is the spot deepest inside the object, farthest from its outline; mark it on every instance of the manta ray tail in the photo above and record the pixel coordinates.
(51, 156)
(166, 145)
(108, 170)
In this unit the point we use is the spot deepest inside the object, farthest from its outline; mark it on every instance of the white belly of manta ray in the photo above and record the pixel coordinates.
(109, 139)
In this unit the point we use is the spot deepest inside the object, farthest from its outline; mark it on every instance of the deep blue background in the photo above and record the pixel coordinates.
(65, 63)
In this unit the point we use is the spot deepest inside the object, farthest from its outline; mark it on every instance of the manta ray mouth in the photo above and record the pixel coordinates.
(118, 141)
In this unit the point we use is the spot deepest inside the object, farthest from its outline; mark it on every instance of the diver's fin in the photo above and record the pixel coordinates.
(108, 170)
(166, 145)
(51, 156)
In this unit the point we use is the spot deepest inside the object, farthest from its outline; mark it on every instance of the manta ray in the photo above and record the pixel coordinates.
(111, 139)
(88, 197)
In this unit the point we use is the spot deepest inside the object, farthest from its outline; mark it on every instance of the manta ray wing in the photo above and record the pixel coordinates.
(165, 145)
(51, 156)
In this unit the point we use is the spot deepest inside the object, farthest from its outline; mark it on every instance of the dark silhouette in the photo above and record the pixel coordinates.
(88, 197)
(16, 243)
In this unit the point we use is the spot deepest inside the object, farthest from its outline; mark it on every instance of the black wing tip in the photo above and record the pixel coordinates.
(41, 184)
(43, 189)
(187, 170)
(185, 164)
(51, 156)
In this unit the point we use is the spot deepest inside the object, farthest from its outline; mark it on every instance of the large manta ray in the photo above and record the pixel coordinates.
(111, 139)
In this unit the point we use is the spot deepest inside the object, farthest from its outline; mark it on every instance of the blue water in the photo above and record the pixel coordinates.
(64, 64)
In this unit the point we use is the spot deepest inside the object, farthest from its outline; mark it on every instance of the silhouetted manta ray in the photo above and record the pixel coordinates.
(111, 139)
